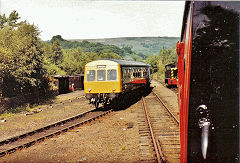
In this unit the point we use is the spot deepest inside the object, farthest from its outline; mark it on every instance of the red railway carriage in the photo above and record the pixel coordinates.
(208, 82)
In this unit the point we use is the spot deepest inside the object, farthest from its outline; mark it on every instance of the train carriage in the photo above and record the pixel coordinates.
(106, 79)
(208, 86)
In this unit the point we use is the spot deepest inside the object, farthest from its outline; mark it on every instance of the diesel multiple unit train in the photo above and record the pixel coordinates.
(106, 79)
(208, 82)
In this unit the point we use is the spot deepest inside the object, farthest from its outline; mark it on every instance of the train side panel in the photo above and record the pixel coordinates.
(209, 83)
(184, 68)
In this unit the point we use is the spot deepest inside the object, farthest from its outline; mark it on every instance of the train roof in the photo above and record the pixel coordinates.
(171, 65)
(125, 63)
(185, 14)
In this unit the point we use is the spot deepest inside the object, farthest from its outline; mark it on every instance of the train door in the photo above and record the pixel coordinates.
(209, 93)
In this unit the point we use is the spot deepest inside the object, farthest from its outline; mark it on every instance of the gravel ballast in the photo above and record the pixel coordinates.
(114, 138)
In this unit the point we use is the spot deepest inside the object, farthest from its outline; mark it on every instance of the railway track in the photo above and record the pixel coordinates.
(159, 131)
(28, 139)
(174, 90)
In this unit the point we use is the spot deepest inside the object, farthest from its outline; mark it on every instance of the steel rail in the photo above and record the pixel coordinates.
(46, 132)
(157, 147)
(165, 107)
(15, 138)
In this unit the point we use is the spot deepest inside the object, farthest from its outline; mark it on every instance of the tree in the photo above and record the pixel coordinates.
(57, 37)
(127, 50)
(72, 61)
(158, 62)
(9, 21)
(20, 58)
(153, 61)
(106, 53)
(57, 55)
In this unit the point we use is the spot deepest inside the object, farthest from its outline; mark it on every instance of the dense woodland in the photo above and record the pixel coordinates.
(158, 62)
(26, 62)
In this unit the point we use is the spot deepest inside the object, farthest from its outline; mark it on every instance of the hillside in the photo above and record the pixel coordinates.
(145, 45)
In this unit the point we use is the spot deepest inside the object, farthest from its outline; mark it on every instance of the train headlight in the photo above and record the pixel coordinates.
(114, 89)
(89, 89)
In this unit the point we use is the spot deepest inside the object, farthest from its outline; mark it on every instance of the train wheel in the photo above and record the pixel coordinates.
(96, 103)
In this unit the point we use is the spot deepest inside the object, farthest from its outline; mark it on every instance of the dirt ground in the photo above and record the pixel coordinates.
(114, 138)
(23, 122)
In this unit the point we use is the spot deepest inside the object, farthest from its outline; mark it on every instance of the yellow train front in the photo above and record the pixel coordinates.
(106, 79)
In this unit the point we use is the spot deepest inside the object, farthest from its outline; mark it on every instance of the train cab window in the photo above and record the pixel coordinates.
(145, 74)
(101, 75)
(90, 75)
(112, 75)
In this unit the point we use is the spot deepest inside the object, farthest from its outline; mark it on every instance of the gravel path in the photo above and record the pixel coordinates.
(168, 96)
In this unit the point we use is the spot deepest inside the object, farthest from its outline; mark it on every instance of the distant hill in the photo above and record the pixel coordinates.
(145, 45)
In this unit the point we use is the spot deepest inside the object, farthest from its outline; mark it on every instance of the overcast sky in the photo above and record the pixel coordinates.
(78, 19)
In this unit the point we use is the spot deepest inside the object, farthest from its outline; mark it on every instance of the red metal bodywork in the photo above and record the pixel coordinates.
(172, 81)
(139, 81)
(184, 68)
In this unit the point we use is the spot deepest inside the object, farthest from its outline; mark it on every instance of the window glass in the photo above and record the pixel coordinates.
(101, 75)
(90, 75)
(111, 75)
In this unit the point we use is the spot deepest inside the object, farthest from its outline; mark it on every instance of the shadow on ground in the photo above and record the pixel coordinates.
(126, 100)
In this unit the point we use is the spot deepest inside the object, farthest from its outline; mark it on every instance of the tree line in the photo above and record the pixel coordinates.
(21, 58)
(26, 62)
(158, 62)
(71, 61)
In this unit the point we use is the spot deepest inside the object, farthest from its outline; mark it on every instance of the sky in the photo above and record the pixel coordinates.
(91, 19)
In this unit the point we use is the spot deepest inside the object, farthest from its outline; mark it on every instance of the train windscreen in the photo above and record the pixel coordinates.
(90, 75)
(101, 75)
(112, 74)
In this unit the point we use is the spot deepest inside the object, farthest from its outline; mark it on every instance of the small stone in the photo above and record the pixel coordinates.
(130, 125)
(83, 159)
(3, 120)
(37, 111)
(28, 113)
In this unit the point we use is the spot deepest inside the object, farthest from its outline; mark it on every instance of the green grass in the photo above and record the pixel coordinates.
(159, 77)
(5, 115)
(12, 111)
(9, 112)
